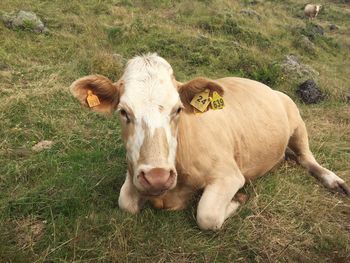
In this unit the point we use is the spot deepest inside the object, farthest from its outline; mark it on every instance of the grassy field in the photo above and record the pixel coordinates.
(60, 205)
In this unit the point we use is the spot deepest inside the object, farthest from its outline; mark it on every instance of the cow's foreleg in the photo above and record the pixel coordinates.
(300, 145)
(129, 199)
(216, 203)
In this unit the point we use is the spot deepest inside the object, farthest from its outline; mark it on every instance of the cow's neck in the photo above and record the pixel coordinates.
(185, 151)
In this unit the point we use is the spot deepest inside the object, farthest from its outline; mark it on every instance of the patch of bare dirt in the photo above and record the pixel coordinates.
(28, 231)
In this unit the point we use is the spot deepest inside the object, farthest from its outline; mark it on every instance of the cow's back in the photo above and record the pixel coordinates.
(252, 132)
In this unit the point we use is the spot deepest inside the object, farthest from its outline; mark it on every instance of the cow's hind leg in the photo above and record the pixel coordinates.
(299, 144)
(217, 202)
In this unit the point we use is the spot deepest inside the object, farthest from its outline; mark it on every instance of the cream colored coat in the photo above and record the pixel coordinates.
(172, 154)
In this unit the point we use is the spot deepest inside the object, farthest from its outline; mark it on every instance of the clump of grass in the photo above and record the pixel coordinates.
(313, 32)
(227, 24)
(100, 63)
(115, 33)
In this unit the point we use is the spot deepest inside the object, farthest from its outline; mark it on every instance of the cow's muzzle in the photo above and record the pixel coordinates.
(156, 181)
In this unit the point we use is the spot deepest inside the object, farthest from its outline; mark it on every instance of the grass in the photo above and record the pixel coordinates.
(60, 205)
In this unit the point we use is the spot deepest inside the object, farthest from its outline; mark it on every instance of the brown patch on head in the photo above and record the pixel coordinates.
(107, 92)
(155, 149)
(188, 90)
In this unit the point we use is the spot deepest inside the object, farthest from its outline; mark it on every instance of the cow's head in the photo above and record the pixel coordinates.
(149, 101)
(318, 8)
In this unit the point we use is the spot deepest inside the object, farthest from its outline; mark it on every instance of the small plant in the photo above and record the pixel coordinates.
(267, 74)
(115, 34)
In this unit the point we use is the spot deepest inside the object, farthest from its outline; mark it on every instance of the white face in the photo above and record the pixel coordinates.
(149, 108)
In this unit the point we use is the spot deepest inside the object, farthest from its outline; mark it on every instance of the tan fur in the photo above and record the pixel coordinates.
(217, 151)
(154, 148)
(252, 132)
(232, 131)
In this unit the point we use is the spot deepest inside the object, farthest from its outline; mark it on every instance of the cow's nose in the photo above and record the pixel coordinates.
(157, 178)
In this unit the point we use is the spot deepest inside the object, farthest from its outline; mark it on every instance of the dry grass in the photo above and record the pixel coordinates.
(60, 205)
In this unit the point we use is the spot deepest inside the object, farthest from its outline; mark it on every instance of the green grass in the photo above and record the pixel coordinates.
(60, 205)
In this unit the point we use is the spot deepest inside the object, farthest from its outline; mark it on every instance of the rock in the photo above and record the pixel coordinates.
(43, 145)
(24, 20)
(309, 92)
(236, 44)
(202, 36)
(202, 39)
(250, 12)
(333, 27)
(292, 67)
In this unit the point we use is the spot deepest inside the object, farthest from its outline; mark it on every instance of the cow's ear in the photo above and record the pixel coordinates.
(97, 93)
(189, 89)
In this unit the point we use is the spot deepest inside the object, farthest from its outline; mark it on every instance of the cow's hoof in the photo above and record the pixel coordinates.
(340, 187)
(130, 207)
(241, 198)
(335, 183)
(209, 222)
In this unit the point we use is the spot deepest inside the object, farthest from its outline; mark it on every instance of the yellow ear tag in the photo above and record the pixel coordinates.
(92, 99)
(201, 100)
(217, 102)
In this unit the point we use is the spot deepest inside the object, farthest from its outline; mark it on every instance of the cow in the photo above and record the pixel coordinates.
(311, 11)
(174, 150)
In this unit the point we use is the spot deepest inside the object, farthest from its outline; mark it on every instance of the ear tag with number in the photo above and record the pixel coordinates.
(201, 100)
(92, 99)
(217, 102)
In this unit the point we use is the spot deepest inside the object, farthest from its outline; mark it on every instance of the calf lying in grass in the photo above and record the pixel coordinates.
(173, 149)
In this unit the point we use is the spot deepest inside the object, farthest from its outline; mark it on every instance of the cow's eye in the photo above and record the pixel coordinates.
(178, 110)
(125, 115)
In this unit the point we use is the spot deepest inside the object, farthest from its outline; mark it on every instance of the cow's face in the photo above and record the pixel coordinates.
(149, 110)
(318, 8)
(147, 99)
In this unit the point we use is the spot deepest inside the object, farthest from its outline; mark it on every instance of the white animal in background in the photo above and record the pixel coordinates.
(311, 10)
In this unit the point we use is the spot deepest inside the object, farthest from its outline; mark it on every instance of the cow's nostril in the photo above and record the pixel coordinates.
(172, 173)
(142, 177)
(142, 174)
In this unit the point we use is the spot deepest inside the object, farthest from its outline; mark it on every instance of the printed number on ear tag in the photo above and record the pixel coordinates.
(201, 100)
(92, 99)
(217, 102)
